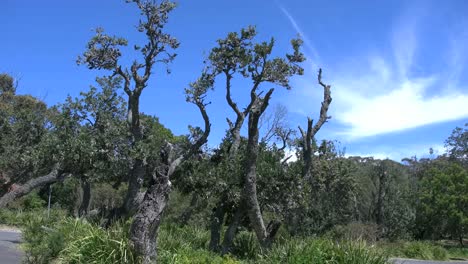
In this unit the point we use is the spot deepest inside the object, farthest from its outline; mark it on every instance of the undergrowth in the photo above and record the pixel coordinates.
(60, 239)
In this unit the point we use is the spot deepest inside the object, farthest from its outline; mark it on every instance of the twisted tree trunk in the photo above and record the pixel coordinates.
(312, 129)
(145, 225)
(265, 235)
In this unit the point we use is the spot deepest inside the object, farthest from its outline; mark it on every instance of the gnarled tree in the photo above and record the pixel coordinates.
(104, 51)
(144, 228)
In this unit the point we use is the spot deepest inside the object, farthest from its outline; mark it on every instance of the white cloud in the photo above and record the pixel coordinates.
(402, 108)
(377, 93)
(397, 154)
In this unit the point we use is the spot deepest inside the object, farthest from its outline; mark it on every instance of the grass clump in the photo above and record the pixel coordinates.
(70, 240)
(88, 243)
(415, 250)
(187, 245)
(323, 251)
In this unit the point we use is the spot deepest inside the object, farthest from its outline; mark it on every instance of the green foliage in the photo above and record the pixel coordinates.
(32, 201)
(444, 200)
(7, 84)
(457, 145)
(24, 123)
(63, 195)
(104, 197)
(328, 198)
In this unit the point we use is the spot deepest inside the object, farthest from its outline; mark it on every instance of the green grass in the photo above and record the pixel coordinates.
(458, 252)
(425, 250)
(322, 251)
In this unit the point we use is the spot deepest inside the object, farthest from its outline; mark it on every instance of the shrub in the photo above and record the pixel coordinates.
(69, 240)
(88, 243)
(42, 243)
(32, 201)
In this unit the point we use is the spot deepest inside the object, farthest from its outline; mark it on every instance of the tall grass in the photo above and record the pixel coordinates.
(60, 239)
(92, 244)
(415, 250)
(320, 251)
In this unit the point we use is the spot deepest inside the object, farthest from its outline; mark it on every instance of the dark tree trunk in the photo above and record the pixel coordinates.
(85, 198)
(145, 225)
(231, 231)
(250, 181)
(217, 219)
(137, 172)
(136, 177)
(29, 186)
(188, 212)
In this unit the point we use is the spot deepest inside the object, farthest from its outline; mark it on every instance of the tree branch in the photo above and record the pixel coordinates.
(53, 176)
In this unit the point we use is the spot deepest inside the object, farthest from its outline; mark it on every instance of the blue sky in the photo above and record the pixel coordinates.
(397, 68)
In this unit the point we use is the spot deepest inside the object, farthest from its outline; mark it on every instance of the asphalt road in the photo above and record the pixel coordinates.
(9, 252)
(412, 261)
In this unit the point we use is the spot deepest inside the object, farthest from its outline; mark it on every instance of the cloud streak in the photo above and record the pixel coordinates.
(307, 42)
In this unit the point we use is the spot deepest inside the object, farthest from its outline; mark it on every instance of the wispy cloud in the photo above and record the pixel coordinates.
(378, 93)
(315, 58)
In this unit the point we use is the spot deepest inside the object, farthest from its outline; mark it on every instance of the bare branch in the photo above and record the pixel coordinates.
(312, 130)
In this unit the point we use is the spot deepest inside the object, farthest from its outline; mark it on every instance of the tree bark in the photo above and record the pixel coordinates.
(145, 225)
(85, 198)
(250, 181)
(231, 231)
(313, 129)
(30, 185)
(135, 181)
(137, 172)
(217, 219)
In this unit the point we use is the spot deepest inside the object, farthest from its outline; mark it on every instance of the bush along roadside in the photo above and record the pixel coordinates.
(60, 239)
